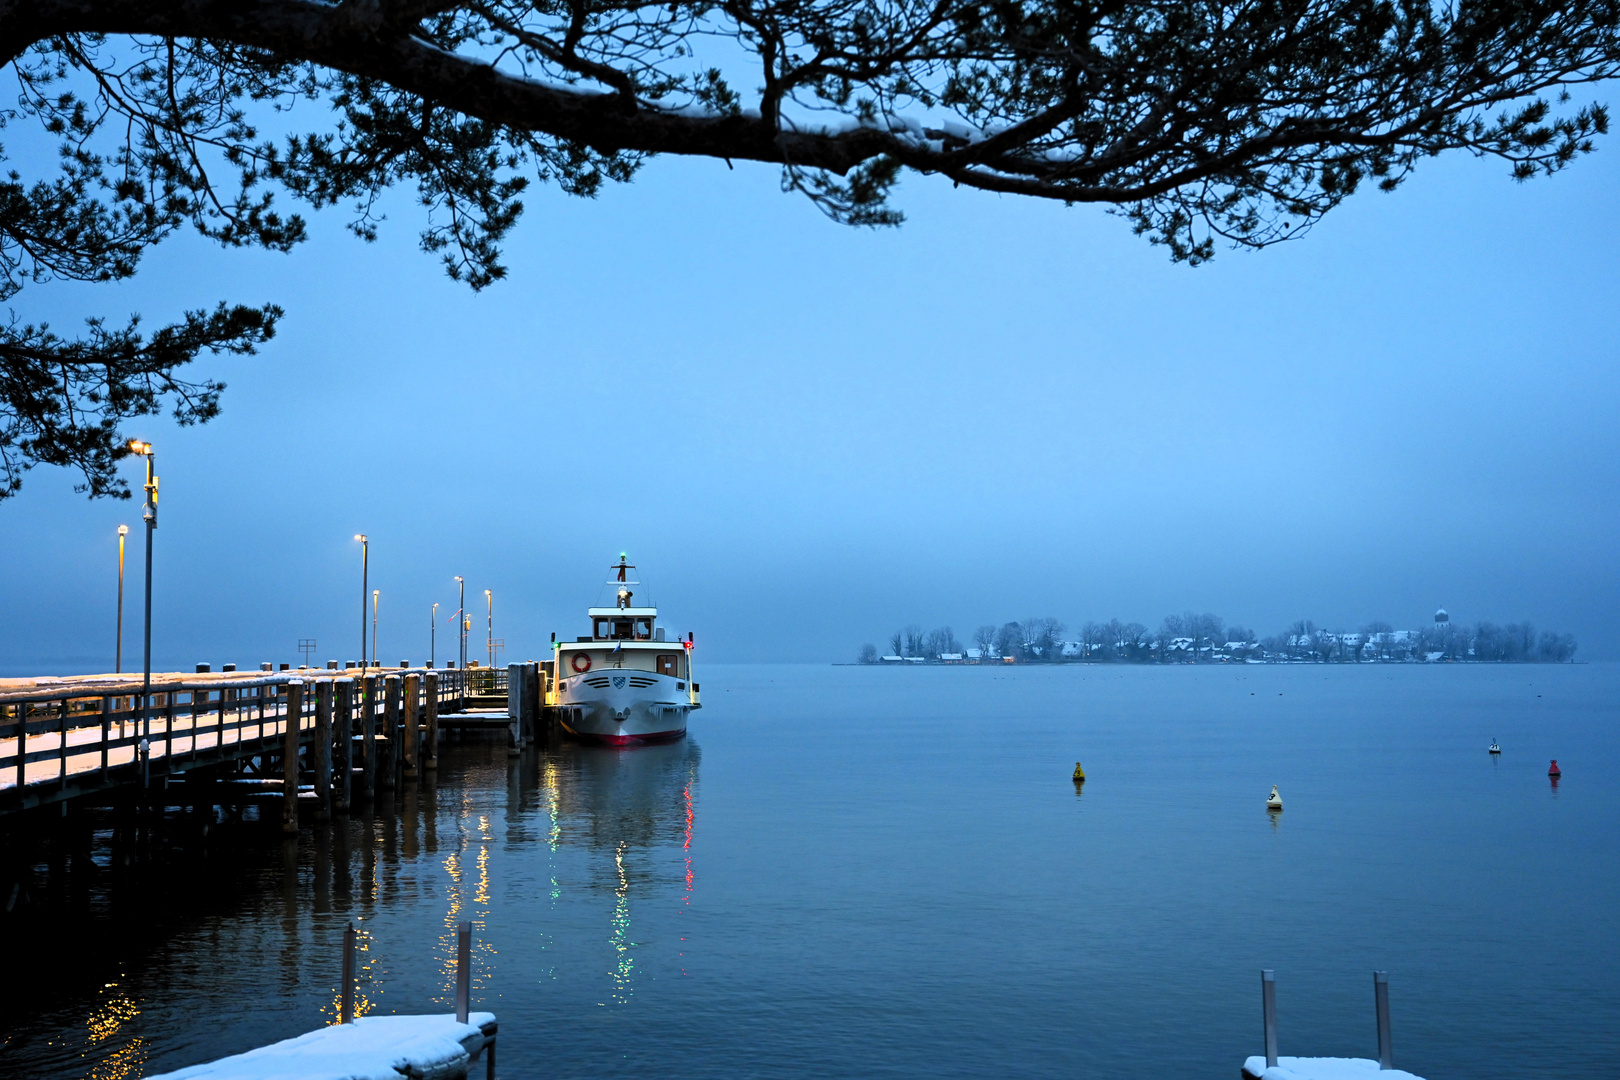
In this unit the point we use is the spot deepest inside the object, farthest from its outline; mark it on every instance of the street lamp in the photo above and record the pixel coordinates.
(365, 569)
(375, 593)
(461, 622)
(149, 515)
(118, 656)
(491, 598)
(433, 634)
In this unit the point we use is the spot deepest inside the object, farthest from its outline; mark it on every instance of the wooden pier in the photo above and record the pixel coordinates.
(323, 736)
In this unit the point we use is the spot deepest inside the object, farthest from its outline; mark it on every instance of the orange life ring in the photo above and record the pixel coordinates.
(581, 662)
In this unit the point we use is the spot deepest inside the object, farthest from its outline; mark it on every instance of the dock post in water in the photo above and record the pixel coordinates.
(323, 748)
(413, 704)
(345, 744)
(430, 752)
(346, 1016)
(514, 708)
(1268, 1009)
(463, 971)
(532, 698)
(368, 743)
(289, 756)
(388, 743)
(1386, 1059)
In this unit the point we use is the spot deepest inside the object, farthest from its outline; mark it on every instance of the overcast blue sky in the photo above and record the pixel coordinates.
(807, 435)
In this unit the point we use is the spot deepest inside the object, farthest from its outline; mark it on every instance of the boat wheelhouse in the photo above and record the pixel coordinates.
(628, 681)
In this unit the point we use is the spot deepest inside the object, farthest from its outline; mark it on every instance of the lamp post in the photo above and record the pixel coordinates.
(433, 634)
(118, 655)
(491, 598)
(375, 593)
(149, 515)
(461, 623)
(365, 570)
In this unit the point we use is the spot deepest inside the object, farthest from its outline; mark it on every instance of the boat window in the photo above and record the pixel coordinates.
(669, 664)
(643, 629)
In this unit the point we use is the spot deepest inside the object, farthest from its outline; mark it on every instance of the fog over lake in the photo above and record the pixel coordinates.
(999, 410)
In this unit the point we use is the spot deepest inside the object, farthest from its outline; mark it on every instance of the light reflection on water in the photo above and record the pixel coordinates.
(117, 1054)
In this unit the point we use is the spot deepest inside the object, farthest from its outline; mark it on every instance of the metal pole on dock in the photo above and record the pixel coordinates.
(289, 756)
(1268, 1008)
(347, 1014)
(365, 587)
(149, 513)
(118, 656)
(1386, 1059)
(461, 623)
(463, 971)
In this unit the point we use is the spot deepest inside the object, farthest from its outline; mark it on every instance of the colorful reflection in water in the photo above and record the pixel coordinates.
(563, 861)
(620, 936)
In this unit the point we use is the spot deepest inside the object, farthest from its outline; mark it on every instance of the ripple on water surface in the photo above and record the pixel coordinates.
(859, 872)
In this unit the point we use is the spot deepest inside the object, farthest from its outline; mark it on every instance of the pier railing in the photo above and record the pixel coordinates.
(486, 682)
(63, 739)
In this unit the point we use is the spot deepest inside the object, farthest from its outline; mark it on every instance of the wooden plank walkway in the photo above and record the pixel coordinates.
(64, 738)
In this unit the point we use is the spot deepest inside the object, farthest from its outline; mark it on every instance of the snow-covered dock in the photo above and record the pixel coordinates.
(432, 1047)
(1323, 1068)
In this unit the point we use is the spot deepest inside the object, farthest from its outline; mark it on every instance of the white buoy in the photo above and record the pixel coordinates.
(1494, 748)
(1275, 800)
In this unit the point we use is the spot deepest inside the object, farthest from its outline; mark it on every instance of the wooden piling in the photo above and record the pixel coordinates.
(388, 745)
(106, 725)
(1268, 1014)
(533, 698)
(344, 796)
(323, 749)
(430, 752)
(463, 971)
(368, 742)
(413, 705)
(514, 708)
(346, 1010)
(1386, 1057)
(289, 758)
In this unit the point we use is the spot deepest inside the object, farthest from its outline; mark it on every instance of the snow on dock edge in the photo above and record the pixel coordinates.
(433, 1047)
(1326, 1068)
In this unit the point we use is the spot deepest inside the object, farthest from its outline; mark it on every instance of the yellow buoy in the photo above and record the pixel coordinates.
(1274, 802)
(1079, 774)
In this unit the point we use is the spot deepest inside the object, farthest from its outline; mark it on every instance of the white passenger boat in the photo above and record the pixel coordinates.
(627, 682)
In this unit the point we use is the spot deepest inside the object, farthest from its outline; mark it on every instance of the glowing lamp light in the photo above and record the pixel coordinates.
(136, 446)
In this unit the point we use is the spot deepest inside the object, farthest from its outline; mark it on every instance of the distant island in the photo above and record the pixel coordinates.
(1195, 639)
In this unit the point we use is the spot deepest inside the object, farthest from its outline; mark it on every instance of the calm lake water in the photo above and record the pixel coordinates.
(860, 872)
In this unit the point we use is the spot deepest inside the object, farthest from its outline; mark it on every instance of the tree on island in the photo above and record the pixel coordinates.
(1187, 638)
(984, 639)
(1202, 123)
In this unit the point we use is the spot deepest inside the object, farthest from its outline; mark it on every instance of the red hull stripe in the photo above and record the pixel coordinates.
(626, 740)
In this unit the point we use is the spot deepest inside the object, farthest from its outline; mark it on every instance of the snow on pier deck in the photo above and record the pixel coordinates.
(61, 738)
(371, 1048)
(1325, 1068)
